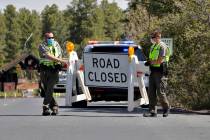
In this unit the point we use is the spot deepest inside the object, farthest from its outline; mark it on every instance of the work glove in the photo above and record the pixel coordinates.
(147, 63)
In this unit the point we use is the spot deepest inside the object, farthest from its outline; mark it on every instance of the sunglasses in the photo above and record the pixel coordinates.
(156, 37)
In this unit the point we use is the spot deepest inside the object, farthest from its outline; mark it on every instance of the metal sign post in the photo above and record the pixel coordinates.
(169, 43)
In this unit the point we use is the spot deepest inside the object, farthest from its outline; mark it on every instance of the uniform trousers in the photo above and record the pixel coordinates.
(49, 77)
(157, 88)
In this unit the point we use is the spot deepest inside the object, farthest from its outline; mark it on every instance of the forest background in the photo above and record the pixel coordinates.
(187, 22)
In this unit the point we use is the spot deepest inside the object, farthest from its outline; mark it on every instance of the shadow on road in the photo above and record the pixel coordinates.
(105, 111)
(123, 110)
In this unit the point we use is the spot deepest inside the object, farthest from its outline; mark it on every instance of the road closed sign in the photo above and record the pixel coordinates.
(106, 70)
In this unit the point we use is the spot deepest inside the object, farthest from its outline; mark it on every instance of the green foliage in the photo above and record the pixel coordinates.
(29, 23)
(190, 64)
(13, 34)
(157, 8)
(90, 21)
(113, 17)
(137, 22)
(82, 15)
(187, 22)
(53, 20)
(36, 26)
(190, 71)
(2, 38)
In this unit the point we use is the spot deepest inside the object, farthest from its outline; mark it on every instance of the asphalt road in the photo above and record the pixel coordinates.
(20, 119)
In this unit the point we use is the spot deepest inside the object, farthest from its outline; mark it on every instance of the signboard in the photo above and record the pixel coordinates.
(169, 43)
(106, 70)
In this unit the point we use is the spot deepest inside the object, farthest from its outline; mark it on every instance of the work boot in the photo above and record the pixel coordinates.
(46, 110)
(165, 112)
(150, 114)
(54, 110)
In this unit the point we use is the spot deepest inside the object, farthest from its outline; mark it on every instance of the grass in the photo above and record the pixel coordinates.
(10, 94)
(18, 94)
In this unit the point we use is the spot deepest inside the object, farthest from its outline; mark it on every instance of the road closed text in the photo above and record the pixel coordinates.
(102, 75)
(107, 77)
(108, 70)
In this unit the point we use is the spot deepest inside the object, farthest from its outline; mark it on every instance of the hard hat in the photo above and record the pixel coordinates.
(69, 46)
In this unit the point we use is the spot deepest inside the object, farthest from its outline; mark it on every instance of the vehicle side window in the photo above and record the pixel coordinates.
(140, 55)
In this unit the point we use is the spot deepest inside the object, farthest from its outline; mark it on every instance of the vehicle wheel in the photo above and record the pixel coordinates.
(80, 104)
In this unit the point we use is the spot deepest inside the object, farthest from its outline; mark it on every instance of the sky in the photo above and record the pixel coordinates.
(39, 5)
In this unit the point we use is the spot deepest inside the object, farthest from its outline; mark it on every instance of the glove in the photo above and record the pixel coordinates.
(147, 63)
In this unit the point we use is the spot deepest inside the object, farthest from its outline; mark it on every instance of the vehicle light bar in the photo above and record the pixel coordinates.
(125, 50)
(110, 42)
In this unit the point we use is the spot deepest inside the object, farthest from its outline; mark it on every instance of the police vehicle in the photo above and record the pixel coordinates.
(60, 86)
(106, 68)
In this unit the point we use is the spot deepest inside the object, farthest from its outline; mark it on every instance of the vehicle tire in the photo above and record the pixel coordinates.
(80, 104)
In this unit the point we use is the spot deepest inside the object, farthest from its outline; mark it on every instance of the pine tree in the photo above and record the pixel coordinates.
(13, 33)
(113, 20)
(2, 38)
(82, 15)
(53, 20)
(29, 23)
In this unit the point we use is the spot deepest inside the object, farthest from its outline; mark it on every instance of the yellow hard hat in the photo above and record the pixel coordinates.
(69, 46)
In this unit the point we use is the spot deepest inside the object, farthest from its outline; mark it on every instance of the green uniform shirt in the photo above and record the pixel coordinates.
(54, 50)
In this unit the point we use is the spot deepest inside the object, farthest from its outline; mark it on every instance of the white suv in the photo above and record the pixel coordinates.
(103, 75)
(60, 86)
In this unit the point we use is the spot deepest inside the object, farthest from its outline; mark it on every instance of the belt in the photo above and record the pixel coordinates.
(51, 68)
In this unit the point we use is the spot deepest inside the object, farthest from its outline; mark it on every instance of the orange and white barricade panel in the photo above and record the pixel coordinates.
(136, 72)
(74, 72)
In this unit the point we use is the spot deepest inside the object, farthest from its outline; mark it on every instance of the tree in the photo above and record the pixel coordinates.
(113, 17)
(36, 26)
(157, 8)
(87, 22)
(190, 29)
(2, 38)
(54, 20)
(137, 22)
(82, 12)
(190, 64)
(13, 33)
(29, 22)
(98, 25)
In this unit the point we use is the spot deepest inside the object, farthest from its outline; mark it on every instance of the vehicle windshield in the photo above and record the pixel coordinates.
(116, 49)
(140, 55)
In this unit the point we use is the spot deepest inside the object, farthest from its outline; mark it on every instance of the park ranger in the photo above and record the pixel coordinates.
(50, 63)
(158, 63)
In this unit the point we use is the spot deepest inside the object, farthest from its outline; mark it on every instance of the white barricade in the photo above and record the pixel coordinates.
(135, 74)
(74, 73)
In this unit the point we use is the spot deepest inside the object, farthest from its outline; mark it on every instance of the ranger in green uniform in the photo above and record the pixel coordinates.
(50, 63)
(158, 61)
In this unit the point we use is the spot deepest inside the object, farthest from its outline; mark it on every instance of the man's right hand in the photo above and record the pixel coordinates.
(65, 62)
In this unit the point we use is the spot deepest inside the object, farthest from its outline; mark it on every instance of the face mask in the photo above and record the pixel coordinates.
(50, 42)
